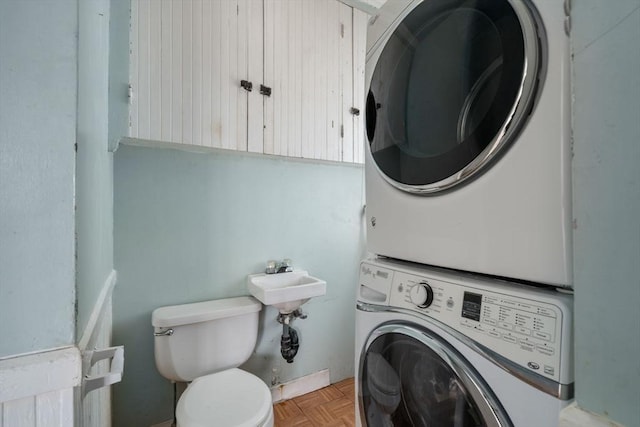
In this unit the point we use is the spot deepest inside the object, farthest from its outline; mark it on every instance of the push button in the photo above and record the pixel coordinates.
(542, 335)
(510, 339)
(547, 351)
(526, 345)
(505, 325)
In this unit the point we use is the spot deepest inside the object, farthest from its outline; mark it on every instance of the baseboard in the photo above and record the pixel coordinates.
(574, 416)
(300, 386)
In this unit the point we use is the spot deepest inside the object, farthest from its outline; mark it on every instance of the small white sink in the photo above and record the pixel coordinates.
(285, 291)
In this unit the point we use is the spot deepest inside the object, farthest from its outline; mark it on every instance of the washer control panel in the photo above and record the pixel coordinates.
(527, 325)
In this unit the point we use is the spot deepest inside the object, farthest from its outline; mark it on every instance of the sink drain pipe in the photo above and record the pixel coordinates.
(289, 342)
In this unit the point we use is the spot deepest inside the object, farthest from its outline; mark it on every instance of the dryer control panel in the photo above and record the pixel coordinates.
(526, 325)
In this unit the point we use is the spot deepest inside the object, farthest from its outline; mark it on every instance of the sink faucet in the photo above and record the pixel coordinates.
(274, 267)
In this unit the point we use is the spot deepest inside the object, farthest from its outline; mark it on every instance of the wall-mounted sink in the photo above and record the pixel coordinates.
(285, 291)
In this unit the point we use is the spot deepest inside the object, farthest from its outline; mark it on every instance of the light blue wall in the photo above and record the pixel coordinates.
(190, 227)
(606, 178)
(102, 119)
(38, 61)
(94, 184)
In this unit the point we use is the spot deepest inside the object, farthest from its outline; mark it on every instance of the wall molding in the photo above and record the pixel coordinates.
(91, 331)
(39, 373)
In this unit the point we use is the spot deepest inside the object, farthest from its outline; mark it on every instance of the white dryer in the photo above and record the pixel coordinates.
(468, 127)
(435, 348)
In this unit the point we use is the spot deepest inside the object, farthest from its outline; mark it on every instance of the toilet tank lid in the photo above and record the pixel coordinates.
(184, 314)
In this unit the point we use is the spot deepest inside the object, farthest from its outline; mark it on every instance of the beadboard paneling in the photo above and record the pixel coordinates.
(189, 56)
(187, 60)
(52, 409)
(309, 63)
(37, 388)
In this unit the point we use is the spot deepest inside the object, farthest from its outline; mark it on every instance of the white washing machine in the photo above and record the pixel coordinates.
(436, 348)
(468, 127)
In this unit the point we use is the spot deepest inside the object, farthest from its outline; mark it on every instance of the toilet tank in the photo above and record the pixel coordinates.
(192, 340)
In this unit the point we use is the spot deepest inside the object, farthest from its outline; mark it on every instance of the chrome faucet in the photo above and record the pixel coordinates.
(274, 267)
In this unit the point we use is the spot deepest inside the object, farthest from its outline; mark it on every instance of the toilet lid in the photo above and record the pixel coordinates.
(228, 398)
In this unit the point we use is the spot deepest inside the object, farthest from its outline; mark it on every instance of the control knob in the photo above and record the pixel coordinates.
(421, 295)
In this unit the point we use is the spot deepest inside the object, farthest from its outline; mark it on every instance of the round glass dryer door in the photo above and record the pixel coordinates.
(411, 377)
(452, 87)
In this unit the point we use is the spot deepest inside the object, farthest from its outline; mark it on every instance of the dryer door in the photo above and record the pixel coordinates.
(451, 87)
(410, 376)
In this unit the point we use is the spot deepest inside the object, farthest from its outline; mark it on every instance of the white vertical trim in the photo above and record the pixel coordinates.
(346, 79)
(92, 330)
(360, 20)
(94, 408)
(176, 71)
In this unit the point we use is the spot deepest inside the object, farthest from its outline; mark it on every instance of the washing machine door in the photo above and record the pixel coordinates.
(451, 87)
(410, 376)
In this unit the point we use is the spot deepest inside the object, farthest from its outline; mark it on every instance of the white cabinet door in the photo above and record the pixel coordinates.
(309, 63)
(188, 58)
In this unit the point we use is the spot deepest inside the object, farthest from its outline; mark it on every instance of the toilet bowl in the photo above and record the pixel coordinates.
(204, 343)
(228, 398)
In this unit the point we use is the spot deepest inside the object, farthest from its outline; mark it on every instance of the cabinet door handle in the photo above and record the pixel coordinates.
(355, 111)
(264, 90)
(246, 85)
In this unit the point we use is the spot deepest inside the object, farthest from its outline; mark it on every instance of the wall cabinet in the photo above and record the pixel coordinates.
(189, 57)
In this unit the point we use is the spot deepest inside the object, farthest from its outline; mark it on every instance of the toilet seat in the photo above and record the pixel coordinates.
(228, 398)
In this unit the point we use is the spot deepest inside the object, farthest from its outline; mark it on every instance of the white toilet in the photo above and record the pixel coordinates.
(204, 343)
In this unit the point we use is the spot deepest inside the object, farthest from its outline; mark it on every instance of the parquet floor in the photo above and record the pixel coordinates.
(330, 406)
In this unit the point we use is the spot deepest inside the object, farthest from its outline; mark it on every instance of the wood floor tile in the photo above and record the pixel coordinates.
(347, 387)
(286, 410)
(299, 421)
(331, 413)
(318, 397)
(332, 406)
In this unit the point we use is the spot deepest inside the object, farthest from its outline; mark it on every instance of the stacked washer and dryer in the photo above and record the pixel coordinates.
(464, 312)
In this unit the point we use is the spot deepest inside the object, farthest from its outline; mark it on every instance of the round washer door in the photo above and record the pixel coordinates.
(452, 87)
(410, 376)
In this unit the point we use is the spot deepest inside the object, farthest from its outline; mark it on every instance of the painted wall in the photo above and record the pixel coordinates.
(38, 51)
(606, 178)
(190, 226)
(102, 121)
(94, 192)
